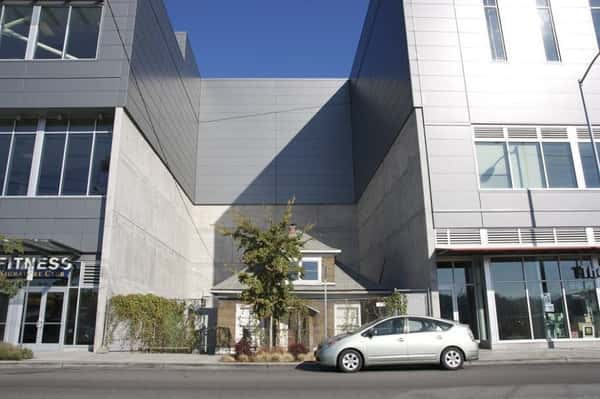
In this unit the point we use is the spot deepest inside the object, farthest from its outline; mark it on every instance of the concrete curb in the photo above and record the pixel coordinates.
(7, 365)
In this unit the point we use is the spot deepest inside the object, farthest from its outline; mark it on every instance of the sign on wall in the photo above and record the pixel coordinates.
(42, 266)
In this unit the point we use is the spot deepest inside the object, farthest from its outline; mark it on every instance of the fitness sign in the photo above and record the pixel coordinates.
(42, 266)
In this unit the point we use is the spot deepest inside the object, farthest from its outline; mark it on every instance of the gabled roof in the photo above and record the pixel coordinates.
(345, 280)
(315, 246)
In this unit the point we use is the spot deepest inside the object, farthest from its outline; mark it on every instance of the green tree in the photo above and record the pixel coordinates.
(9, 247)
(271, 255)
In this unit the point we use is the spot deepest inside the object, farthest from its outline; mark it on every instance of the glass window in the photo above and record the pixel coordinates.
(493, 165)
(16, 23)
(84, 28)
(547, 27)
(86, 320)
(590, 168)
(582, 303)
(51, 164)
(595, 5)
(511, 308)
(389, 327)
(310, 270)
(101, 164)
(507, 270)
(527, 165)
(51, 34)
(20, 164)
(496, 37)
(3, 314)
(75, 177)
(418, 325)
(71, 313)
(559, 165)
(5, 140)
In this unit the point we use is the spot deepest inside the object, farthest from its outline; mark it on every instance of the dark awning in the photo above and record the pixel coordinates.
(514, 250)
(49, 247)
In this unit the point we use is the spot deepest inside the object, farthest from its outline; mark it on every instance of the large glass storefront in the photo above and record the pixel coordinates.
(545, 298)
(58, 311)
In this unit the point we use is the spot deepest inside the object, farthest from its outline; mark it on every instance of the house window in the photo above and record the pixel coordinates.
(311, 270)
(347, 318)
(494, 25)
(15, 24)
(73, 159)
(548, 32)
(595, 6)
(50, 31)
(525, 164)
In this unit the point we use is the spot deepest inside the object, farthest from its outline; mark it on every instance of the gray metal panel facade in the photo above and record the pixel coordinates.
(164, 92)
(74, 83)
(380, 88)
(264, 141)
(457, 84)
(76, 222)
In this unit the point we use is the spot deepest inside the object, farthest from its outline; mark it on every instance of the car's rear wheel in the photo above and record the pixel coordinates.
(452, 359)
(350, 361)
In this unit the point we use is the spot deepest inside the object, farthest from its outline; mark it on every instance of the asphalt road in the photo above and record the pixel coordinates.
(523, 381)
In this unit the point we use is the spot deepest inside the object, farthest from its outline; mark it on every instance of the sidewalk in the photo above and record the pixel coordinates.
(68, 359)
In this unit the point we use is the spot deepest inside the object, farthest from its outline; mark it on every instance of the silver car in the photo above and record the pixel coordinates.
(401, 340)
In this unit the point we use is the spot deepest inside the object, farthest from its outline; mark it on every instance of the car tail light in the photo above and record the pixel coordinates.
(471, 334)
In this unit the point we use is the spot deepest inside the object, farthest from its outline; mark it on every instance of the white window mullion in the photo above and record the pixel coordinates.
(510, 167)
(62, 168)
(1, 23)
(577, 162)
(67, 32)
(33, 32)
(541, 144)
(9, 158)
(36, 159)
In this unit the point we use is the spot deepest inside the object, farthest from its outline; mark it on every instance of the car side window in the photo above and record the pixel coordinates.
(417, 325)
(389, 327)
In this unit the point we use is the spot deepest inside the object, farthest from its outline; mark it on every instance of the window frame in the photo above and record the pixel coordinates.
(32, 38)
(300, 281)
(548, 7)
(571, 139)
(36, 166)
(581, 141)
(29, 35)
(490, 33)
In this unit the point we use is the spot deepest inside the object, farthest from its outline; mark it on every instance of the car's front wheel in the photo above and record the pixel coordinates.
(452, 359)
(350, 361)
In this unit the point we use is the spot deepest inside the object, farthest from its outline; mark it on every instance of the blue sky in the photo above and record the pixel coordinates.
(271, 38)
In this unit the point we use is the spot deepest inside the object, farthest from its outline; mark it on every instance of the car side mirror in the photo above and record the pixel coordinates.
(369, 334)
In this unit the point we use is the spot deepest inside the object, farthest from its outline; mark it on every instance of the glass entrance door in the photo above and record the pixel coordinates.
(460, 295)
(44, 318)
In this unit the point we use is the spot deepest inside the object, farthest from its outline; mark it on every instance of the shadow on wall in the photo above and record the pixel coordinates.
(313, 164)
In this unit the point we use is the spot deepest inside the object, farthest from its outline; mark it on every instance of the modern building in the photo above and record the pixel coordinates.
(454, 164)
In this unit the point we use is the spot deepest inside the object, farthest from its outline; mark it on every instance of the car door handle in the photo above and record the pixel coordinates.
(440, 337)
(401, 339)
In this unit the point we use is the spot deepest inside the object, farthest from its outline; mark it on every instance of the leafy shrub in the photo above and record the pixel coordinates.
(306, 357)
(243, 358)
(243, 347)
(287, 358)
(297, 348)
(11, 352)
(262, 357)
(153, 323)
(227, 359)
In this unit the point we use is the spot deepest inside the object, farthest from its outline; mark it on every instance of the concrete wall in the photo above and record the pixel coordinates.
(75, 83)
(263, 141)
(164, 91)
(394, 215)
(334, 225)
(380, 88)
(150, 243)
(457, 84)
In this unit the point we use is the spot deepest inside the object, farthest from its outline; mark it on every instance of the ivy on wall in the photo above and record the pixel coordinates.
(10, 287)
(153, 323)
